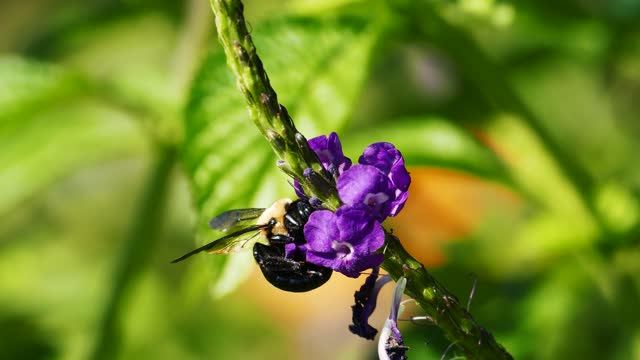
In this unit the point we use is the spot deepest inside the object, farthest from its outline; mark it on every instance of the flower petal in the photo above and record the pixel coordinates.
(329, 151)
(371, 240)
(345, 242)
(322, 259)
(320, 230)
(365, 303)
(297, 188)
(352, 222)
(386, 158)
(382, 155)
(391, 345)
(400, 176)
(366, 187)
(398, 203)
(295, 251)
(355, 267)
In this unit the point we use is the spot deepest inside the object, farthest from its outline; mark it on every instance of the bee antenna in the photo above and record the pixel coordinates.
(368, 273)
(420, 320)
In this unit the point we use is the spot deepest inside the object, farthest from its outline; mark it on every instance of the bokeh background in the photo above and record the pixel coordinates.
(121, 133)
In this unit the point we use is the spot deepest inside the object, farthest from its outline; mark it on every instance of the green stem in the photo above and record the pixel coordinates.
(276, 125)
(271, 118)
(145, 229)
(133, 255)
(443, 308)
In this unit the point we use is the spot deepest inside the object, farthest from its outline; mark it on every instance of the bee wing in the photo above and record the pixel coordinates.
(235, 219)
(229, 243)
(234, 241)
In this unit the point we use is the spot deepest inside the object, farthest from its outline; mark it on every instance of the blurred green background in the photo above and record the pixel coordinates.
(122, 133)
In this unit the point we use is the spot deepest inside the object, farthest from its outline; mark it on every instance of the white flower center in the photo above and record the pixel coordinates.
(343, 249)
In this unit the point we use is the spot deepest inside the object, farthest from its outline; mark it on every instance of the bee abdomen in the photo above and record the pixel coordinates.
(288, 274)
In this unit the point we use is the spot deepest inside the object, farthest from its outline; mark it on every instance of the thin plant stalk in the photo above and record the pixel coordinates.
(146, 225)
(131, 260)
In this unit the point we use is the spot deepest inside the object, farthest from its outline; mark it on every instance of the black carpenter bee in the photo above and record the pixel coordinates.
(281, 224)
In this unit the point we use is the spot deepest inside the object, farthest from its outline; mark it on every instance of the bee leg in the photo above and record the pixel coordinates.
(281, 239)
(288, 274)
(271, 258)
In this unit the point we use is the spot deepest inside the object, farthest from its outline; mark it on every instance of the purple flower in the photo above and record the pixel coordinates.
(329, 151)
(366, 187)
(386, 158)
(391, 345)
(297, 188)
(366, 299)
(344, 241)
(295, 251)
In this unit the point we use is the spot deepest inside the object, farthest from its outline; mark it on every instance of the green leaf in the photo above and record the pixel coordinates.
(555, 309)
(554, 222)
(310, 7)
(27, 86)
(133, 68)
(316, 66)
(577, 109)
(430, 141)
(44, 138)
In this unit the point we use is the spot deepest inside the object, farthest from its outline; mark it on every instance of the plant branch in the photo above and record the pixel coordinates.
(296, 158)
(277, 126)
(131, 259)
(146, 225)
(443, 308)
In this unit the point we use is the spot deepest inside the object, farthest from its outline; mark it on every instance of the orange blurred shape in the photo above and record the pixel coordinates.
(316, 322)
(445, 205)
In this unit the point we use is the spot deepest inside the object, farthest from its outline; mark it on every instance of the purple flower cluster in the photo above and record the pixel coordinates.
(374, 189)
